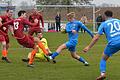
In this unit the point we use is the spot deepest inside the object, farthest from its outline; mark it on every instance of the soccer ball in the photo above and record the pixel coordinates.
(63, 29)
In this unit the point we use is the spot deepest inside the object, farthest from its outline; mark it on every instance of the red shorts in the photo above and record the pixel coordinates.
(27, 41)
(34, 30)
(4, 38)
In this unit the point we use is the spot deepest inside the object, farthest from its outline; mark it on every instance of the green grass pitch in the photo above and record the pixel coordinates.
(66, 67)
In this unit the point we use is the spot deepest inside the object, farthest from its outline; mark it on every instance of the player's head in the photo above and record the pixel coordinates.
(70, 16)
(108, 13)
(9, 12)
(34, 11)
(22, 13)
(40, 35)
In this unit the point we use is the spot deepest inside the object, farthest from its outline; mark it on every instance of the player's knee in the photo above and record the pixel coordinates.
(36, 48)
(75, 56)
(36, 39)
(4, 45)
(7, 46)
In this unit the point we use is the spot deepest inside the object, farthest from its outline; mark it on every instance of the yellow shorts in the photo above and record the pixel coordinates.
(40, 56)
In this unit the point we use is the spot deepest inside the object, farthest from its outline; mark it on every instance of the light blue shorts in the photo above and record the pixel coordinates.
(71, 46)
(111, 49)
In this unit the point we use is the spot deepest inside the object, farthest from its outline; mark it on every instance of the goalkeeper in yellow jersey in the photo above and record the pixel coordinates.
(40, 54)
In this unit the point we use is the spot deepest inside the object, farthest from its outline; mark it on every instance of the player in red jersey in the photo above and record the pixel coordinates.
(4, 39)
(36, 29)
(23, 39)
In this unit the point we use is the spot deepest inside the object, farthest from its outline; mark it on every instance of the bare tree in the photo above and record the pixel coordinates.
(63, 2)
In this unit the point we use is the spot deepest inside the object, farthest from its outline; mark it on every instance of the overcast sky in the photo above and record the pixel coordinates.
(18, 2)
(98, 2)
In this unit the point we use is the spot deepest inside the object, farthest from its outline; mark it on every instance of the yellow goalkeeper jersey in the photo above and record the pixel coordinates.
(44, 41)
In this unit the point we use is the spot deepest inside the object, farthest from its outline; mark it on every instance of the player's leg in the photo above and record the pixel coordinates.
(7, 46)
(57, 27)
(28, 58)
(103, 67)
(32, 55)
(109, 51)
(5, 52)
(39, 56)
(59, 49)
(39, 43)
(77, 57)
(4, 49)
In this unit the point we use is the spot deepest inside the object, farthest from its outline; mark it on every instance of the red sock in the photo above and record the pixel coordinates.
(32, 56)
(4, 53)
(43, 48)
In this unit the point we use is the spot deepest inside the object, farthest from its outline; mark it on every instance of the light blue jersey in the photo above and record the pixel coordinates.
(111, 28)
(73, 38)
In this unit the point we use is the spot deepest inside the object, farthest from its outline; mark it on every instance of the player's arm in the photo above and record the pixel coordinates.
(42, 21)
(86, 29)
(67, 29)
(26, 22)
(0, 21)
(8, 23)
(94, 40)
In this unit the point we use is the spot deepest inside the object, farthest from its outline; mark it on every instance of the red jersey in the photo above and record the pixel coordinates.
(18, 26)
(4, 29)
(36, 16)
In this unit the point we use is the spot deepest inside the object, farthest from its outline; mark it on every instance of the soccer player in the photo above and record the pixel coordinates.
(111, 28)
(4, 38)
(40, 54)
(72, 28)
(37, 28)
(23, 39)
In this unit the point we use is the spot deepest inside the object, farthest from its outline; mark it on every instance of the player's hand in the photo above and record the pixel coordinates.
(74, 31)
(86, 49)
(0, 24)
(13, 34)
(42, 29)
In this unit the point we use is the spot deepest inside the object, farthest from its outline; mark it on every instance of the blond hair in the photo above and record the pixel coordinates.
(71, 14)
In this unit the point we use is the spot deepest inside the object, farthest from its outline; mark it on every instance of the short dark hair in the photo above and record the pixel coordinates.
(21, 12)
(7, 10)
(108, 13)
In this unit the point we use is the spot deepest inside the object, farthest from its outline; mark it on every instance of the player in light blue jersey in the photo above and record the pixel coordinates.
(111, 28)
(72, 28)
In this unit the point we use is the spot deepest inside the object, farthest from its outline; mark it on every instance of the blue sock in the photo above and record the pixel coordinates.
(54, 55)
(82, 60)
(102, 65)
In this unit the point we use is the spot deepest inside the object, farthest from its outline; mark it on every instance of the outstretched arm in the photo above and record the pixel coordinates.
(94, 40)
(88, 31)
(29, 23)
(8, 23)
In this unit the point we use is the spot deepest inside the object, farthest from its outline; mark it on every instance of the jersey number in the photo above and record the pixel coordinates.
(16, 25)
(114, 26)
